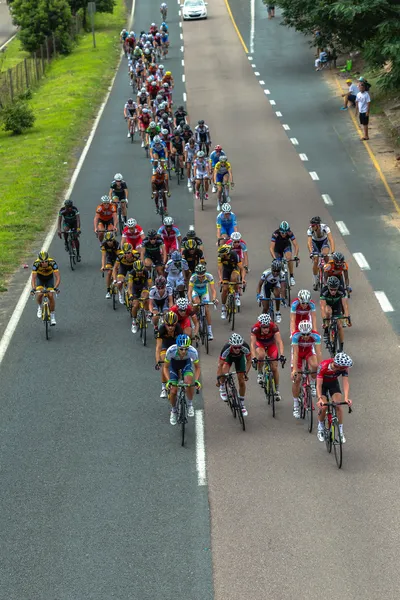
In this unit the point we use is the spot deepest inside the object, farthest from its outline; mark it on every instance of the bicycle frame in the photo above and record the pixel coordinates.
(271, 301)
(332, 430)
(232, 396)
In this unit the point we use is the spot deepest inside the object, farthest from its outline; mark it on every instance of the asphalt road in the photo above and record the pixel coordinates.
(98, 499)
(285, 522)
(7, 28)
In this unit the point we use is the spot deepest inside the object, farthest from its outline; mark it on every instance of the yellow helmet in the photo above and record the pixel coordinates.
(223, 250)
(168, 73)
(190, 245)
(171, 318)
(127, 248)
(110, 236)
(138, 266)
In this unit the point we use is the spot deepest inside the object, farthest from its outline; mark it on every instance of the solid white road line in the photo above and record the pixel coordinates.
(278, 113)
(327, 199)
(7, 42)
(294, 141)
(286, 127)
(384, 302)
(343, 228)
(200, 448)
(314, 176)
(18, 310)
(303, 157)
(361, 261)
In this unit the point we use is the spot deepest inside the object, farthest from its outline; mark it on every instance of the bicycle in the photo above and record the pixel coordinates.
(70, 246)
(141, 320)
(233, 397)
(286, 273)
(45, 307)
(121, 218)
(161, 210)
(182, 407)
(132, 128)
(321, 274)
(332, 343)
(268, 383)
(203, 325)
(271, 301)
(230, 304)
(201, 192)
(332, 431)
(225, 192)
(305, 397)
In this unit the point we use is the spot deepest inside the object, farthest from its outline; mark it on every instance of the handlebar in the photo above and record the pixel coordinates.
(338, 404)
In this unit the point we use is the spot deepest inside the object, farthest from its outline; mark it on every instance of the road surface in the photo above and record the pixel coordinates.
(7, 29)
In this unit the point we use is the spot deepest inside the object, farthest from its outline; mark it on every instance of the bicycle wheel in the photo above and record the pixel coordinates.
(144, 328)
(337, 444)
(302, 404)
(121, 223)
(328, 436)
(288, 297)
(309, 410)
(229, 396)
(71, 255)
(114, 297)
(178, 172)
(182, 414)
(237, 407)
(46, 319)
(272, 393)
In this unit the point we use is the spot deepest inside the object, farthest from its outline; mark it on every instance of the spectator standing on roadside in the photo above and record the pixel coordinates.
(363, 102)
(351, 94)
(271, 11)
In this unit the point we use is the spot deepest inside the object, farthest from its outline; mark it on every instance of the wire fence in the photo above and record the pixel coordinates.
(26, 74)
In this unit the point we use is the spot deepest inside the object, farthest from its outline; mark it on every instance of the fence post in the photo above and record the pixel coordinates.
(37, 67)
(26, 73)
(54, 44)
(11, 85)
(42, 57)
(47, 50)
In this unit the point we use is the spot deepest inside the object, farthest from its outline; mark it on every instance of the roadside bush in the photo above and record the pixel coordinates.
(17, 117)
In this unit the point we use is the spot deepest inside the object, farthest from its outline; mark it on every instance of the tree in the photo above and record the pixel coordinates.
(103, 6)
(38, 19)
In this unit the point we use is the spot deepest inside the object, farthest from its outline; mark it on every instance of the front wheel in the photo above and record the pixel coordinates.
(337, 444)
(309, 410)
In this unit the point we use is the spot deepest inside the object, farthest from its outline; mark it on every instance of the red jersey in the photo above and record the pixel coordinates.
(145, 119)
(240, 250)
(268, 336)
(327, 374)
(188, 313)
(133, 237)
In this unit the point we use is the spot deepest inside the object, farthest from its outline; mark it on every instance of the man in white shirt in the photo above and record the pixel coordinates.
(351, 94)
(363, 102)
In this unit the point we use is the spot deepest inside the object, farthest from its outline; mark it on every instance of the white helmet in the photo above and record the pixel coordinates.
(105, 199)
(226, 208)
(156, 139)
(182, 303)
(304, 296)
(168, 221)
(305, 327)
(343, 360)
(264, 319)
(131, 222)
(235, 340)
(153, 124)
(236, 236)
(118, 177)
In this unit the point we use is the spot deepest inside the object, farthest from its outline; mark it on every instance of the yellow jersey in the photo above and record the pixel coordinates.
(222, 168)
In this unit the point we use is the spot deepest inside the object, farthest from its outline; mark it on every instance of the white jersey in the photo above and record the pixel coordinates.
(201, 167)
(155, 294)
(270, 279)
(319, 238)
(131, 108)
(191, 151)
(173, 270)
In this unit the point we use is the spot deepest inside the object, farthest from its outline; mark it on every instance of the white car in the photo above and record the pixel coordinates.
(194, 9)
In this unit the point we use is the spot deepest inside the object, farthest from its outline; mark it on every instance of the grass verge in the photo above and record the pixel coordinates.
(36, 166)
(12, 55)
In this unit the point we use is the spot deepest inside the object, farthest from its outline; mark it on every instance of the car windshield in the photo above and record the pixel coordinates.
(193, 3)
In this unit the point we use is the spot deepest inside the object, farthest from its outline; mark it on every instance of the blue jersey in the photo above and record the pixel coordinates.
(158, 147)
(226, 222)
(215, 156)
(306, 341)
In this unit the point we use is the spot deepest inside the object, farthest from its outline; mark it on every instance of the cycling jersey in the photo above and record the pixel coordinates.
(302, 314)
(69, 215)
(306, 341)
(271, 280)
(201, 288)
(169, 237)
(327, 374)
(236, 358)
(154, 131)
(239, 250)
(173, 270)
(119, 190)
(110, 251)
(226, 223)
(265, 336)
(168, 340)
(133, 237)
(222, 168)
(332, 299)
(159, 147)
(155, 294)
(140, 280)
(191, 151)
(282, 244)
(319, 237)
(106, 213)
(131, 109)
(201, 167)
(331, 268)
(177, 144)
(198, 240)
(122, 259)
(202, 133)
(215, 156)
(47, 271)
(184, 364)
(230, 260)
(180, 117)
(151, 249)
(193, 258)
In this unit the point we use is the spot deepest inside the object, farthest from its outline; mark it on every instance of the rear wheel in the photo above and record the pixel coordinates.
(182, 414)
(72, 254)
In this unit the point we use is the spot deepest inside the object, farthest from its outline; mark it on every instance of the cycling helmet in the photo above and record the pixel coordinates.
(118, 177)
(224, 250)
(170, 318)
(160, 282)
(163, 5)
(130, 101)
(152, 233)
(235, 340)
(223, 158)
(68, 203)
(153, 25)
(159, 98)
(147, 51)
(186, 127)
(338, 257)
(131, 222)
(201, 122)
(276, 265)
(161, 67)
(127, 248)
(105, 199)
(110, 236)
(218, 148)
(177, 132)
(145, 111)
(156, 139)
(154, 83)
(236, 236)
(226, 208)
(264, 319)
(190, 244)
(43, 256)
(182, 303)
(165, 85)
(333, 282)
(304, 296)
(168, 73)
(143, 90)
(305, 327)
(200, 154)
(176, 256)
(284, 226)
(165, 131)
(152, 124)
(343, 360)
(183, 341)
(201, 269)
(315, 221)
(168, 221)
(138, 266)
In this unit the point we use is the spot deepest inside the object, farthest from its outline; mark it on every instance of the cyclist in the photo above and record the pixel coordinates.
(175, 269)
(228, 271)
(168, 79)
(281, 246)
(119, 188)
(306, 346)
(226, 222)
(187, 133)
(153, 29)
(302, 309)
(271, 280)
(201, 172)
(164, 39)
(160, 300)
(177, 149)
(164, 11)
(123, 265)
(191, 235)
(151, 132)
(182, 357)
(191, 150)
(69, 219)
(193, 255)
(45, 274)
(239, 246)
(105, 218)
(202, 289)
(214, 159)
(186, 315)
(123, 35)
(333, 303)
(166, 336)
(130, 114)
(202, 136)
(170, 234)
(130, 42)
(339, 268)
(143, 96)
(109, 252)
(154, 252)
(160, 72)
(164, 27)
(139, 282)
(144, 122)
(160, 183)
(236, 352)
(222, 176)
(327, 382)
(180, 117)
(320, 241)
(266, 341)
(133, 234)
(158, 151)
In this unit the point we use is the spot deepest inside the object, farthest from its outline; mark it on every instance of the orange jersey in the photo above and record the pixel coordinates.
(106, 214)
(159, 179)
(337, 270)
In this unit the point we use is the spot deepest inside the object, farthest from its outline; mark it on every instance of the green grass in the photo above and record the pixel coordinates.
(12, 55)
(36, 166)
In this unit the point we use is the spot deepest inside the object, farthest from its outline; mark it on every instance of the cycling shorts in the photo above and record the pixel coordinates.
(238, 361)
(318, 245)
(160, 153)
(271, 350)
(138, 289)
(332, 387)
(175, 280)
(220, 177)
(203, 294)
(185, 367)
(304, 354)
(227, 272)
(45, 281)
(226, 229)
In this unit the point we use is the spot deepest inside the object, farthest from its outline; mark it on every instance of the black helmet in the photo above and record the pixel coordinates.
(152, 233)
(276, 265)
(130, 101)
(68, 203)
(315, 221)
(338, 257)
(191, 234)
(201, 122)
(177, 132)
(186, 127)
(333, 282)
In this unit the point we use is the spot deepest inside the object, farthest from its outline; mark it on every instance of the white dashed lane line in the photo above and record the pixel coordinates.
(278, 113)
(303, 157)
(314, 176)
(327, 199)
(342, 228)
(361, 261)
(256, 73)
(286, 127)
(261, 82)
(294, 141)
(384, 302)
(267, 92)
